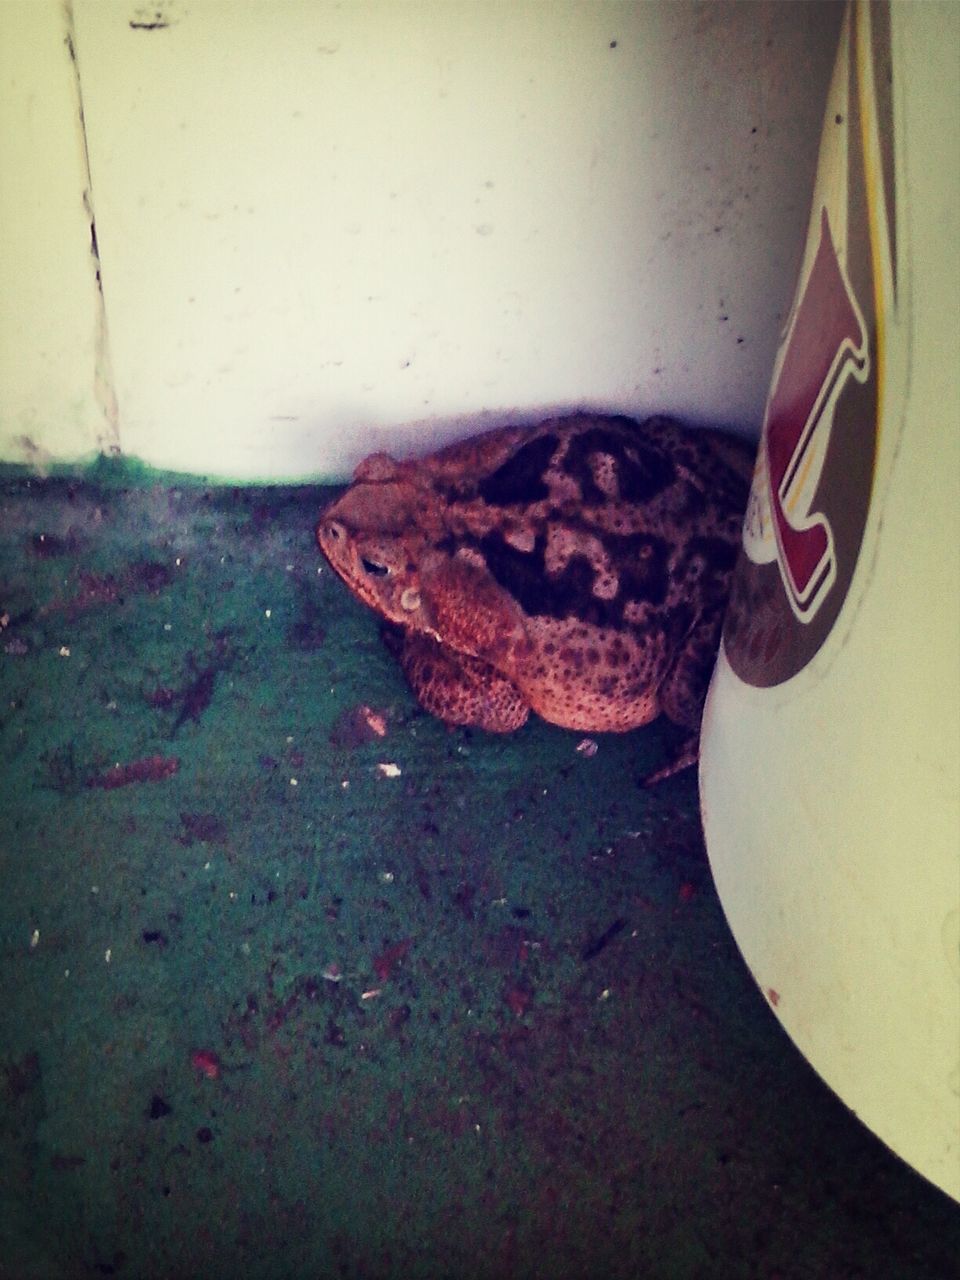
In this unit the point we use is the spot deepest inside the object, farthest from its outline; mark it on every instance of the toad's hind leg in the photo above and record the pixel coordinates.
(460, 689)
(684, 691)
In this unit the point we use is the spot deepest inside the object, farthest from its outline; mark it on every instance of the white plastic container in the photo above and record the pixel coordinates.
(830, 774)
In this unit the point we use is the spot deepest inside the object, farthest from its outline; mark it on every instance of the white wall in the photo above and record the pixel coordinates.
(319, 222)
(53, 401)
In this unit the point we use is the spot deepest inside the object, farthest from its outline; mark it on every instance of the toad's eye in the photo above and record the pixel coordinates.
(375, 570)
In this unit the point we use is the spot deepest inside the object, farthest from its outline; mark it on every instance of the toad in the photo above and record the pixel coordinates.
(578, 568)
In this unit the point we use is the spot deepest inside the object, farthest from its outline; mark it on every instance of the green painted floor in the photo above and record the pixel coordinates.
(298, 983)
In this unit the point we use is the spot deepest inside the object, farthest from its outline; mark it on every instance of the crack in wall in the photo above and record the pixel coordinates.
(104, 389)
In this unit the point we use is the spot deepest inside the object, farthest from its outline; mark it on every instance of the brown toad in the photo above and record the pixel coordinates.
(578, 568)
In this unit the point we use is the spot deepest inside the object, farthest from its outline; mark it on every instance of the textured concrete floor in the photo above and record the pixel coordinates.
(295, 982)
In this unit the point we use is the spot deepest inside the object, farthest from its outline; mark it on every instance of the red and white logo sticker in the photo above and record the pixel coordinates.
(826, 344)
(815, 469)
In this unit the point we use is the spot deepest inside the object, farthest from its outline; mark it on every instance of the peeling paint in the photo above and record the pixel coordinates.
(153, 17)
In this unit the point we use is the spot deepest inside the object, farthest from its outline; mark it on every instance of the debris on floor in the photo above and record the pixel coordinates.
(296, 981)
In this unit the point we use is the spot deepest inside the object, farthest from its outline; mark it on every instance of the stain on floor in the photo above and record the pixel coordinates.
(297, 982)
